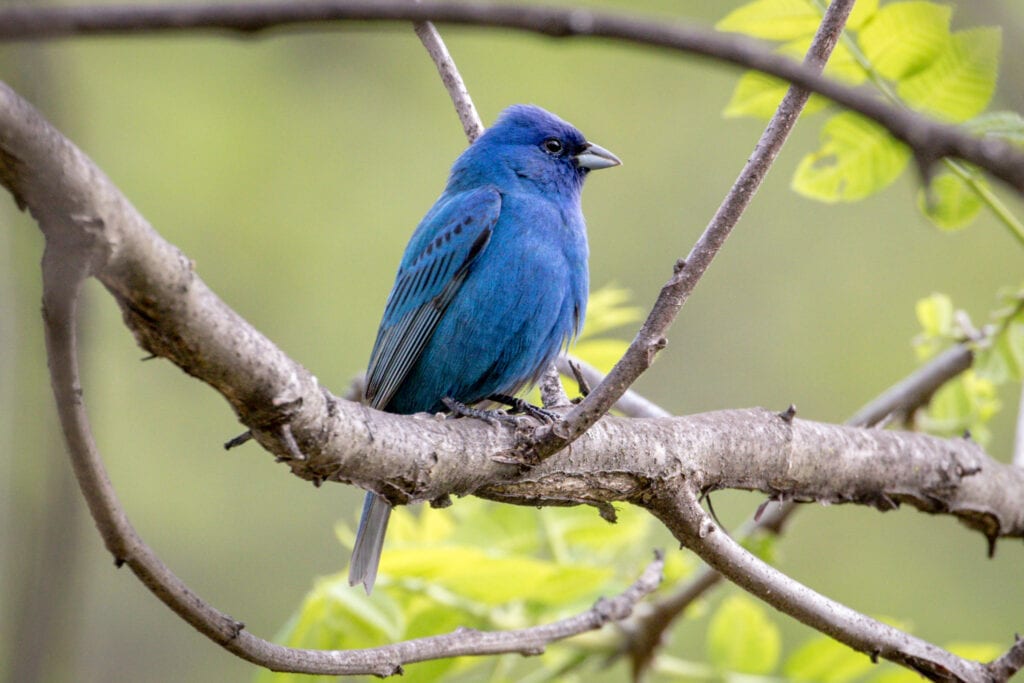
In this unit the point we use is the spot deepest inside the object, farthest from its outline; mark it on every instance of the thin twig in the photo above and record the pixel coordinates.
(929, 140)
(695, 529)
(64, 271)
(652, 335)
(903, 398)
(1010, 663)
(646, 631)
(451, 78)
(630, 404)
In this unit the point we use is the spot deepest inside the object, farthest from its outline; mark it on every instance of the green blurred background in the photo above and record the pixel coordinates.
(292, 168)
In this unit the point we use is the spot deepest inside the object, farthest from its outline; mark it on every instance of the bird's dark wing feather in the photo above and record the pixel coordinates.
(425, 286)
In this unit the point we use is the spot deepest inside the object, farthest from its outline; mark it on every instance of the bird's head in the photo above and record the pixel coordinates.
(531, 145)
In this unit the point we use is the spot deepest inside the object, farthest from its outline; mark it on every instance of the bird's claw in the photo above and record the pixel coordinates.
(491, 417)
(518, 405)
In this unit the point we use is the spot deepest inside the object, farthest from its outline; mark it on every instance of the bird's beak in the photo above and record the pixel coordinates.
(594, 157)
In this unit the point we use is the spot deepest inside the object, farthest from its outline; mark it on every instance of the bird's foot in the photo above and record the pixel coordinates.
(460, 409)
(518, 405)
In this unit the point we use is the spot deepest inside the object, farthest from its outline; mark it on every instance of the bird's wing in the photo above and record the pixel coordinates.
(424, 288)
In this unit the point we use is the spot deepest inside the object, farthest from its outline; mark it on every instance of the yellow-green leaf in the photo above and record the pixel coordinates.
(609, 307)
(842, 65)
(602, 353)
(863, 11)
(949, 202)
(935, 315)
(1004, 360)
(959, 83)
(904, 37)
(742, 639)
(857, 158)
(756, 95)
(772, 19)
(823, 660)
(492, 578)
(1005, 125)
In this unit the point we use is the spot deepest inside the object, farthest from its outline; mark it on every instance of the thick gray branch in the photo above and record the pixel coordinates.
(173, 314)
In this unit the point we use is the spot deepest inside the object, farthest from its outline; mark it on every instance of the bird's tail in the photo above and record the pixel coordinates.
(369, 541)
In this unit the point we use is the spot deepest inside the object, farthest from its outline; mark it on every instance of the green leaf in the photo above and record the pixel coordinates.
(742, 639)
(949, 202)
(757, 95)
(935, 315)
(336, 616)
(856, 159)
(1004, 360)
(966, 404)
(904, 37)
(959, 83)
(1005, 125)
(582, 526)
(609, 307)
(601, 353)
(824, 660)
(772, 19)
(491, 578)
(863, 12)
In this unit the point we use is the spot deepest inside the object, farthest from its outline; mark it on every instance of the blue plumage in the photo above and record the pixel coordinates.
(492, 284)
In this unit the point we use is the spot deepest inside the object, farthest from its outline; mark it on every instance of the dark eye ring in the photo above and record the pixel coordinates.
(552, 146)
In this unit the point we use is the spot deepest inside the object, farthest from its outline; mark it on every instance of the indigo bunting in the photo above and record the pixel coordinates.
(492, 284)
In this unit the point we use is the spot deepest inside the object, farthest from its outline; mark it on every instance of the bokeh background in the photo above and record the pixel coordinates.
(292, 167)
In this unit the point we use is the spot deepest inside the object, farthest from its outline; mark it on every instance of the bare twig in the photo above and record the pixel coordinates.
(652, 335)
(65, 267)
(1010, 663)
(929, 140)
(695, 529)
(451, 78)
(903, 398)
(646, 631)
(124, 253)
(630, 404)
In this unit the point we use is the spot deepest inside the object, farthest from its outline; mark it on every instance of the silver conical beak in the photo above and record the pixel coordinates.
(594, 157)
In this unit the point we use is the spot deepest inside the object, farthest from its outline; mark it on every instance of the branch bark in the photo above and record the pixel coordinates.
(929, 139)
(92, 230)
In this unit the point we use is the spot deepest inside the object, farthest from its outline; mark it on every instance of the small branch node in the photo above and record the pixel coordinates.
(237, 441)
(290, 444)
(788, 414)
(441, 502)
(607, 512)
(581, 381)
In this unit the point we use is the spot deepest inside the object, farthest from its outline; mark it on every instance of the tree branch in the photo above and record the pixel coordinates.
(66, 264)
(92, 230)
(695, 529)
(646, 631)
(929, 139)
(652, 336)
(451, 78)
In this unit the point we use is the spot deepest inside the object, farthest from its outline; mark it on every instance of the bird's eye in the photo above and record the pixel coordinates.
(552, 146)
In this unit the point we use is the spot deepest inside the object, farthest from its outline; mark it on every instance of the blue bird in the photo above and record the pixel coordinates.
(492, 284)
